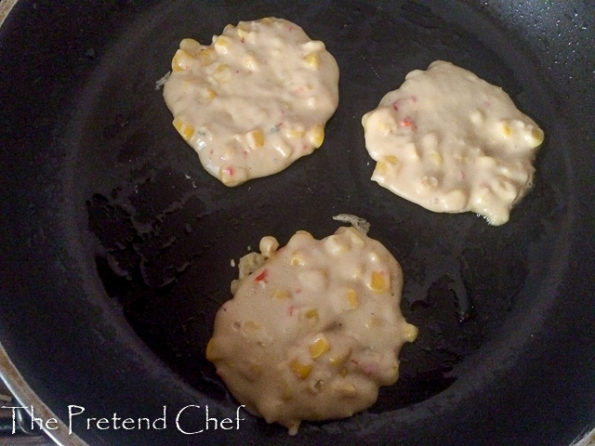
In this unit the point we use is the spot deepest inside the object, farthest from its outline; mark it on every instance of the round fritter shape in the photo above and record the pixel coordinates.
(253, 101)
(451, 142)
(313, 332)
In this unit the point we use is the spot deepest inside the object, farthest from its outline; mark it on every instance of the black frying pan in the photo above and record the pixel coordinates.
(117, 245)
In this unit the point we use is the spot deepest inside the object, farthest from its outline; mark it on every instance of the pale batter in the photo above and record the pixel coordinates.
(451, 142)
(253, 101)
(314, 328)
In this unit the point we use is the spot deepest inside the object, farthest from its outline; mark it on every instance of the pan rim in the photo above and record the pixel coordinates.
(27, 397)
(12, 2)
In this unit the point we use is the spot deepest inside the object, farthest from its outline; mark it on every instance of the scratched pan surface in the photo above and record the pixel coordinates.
(120, 246)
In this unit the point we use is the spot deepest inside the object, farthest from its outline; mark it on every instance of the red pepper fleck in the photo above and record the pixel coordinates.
(261, 276)
(228, 171)
(408, 122)
(290, 310)
(354, 361)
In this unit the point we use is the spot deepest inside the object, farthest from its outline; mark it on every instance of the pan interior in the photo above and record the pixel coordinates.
(161, 232)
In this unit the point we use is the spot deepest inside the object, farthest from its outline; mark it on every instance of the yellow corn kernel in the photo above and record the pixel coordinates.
(381, 168)
(242, 31)
(343, 372)
(221, 68)
(383, 126)
(184, 129)
(249, 62)
(436, 158)
(227, 175)
(312, 314)
(313, 60)
(347, 390)
(410, 332)
(355, 237)
(297, 259)
(300, 370)
(316, 135)
(210, 351)
(294, 133)
(255, 139)
(378, 283)
(319, 347)
(352, 298)
(181, 61)
(506, 129)
(280, 294)
(228, 153)
(537, 135)
(456, 199)
(339, 358)
(251, 325)
(222, 44)
(190, 45)
(268, 245)
(286, 392)
(365, 121)
(222, 73)
(334, 244)
(460, 158)
(210, 94)
(476, 116)
(391, 159)
(283, 149)
(205, 56)
(429, 181)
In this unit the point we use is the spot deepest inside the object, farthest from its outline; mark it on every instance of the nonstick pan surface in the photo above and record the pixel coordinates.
(118, 243)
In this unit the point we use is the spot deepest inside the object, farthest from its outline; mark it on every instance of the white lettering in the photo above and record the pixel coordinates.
(179, 415)
(238, 419)
(126, 422)
(161, 420)
(140, 422)
(226, 421)
(35, 419)
(207, 419)
(102, 424)
(14, 416)
(51, 424)
(89, 422)
(115, 419)
(72, 414)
